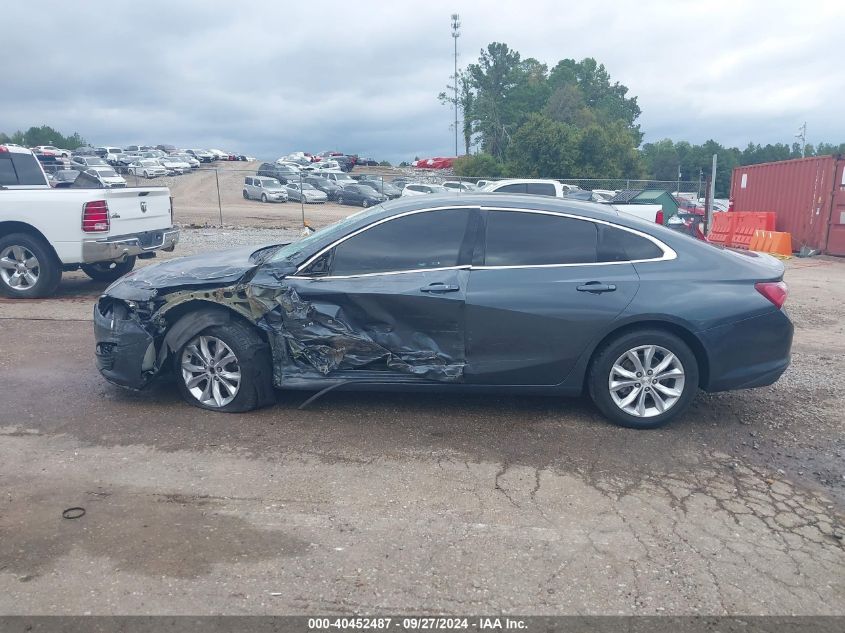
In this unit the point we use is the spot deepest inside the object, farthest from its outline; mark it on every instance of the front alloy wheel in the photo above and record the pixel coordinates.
(210, 371)
(646, 381)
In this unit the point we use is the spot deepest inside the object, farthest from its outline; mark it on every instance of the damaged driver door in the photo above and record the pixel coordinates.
(389, 298)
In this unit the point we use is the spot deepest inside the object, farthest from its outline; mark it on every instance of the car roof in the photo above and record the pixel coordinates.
(17, 149)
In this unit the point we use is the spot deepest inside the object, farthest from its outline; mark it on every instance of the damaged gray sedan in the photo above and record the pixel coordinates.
(478, 293)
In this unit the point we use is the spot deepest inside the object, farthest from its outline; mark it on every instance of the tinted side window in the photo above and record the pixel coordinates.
(430, 239)
(541, 188)
(7, 171)
(530, 239)
(616, 245)
(514, 188)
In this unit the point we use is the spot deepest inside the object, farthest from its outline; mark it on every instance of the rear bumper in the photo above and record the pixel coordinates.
(120, 247)
(747, 354)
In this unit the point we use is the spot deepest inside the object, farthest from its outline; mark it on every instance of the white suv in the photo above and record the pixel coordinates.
(533, 186)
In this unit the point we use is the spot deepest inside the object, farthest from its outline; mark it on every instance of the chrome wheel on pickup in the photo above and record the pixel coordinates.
(19, 267)
(28, 269)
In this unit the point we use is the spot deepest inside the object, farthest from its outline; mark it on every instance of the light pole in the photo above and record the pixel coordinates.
(456, 33)
(802, 136)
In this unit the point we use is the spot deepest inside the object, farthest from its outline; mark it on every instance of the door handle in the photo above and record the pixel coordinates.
(439, 286)
(595, 287)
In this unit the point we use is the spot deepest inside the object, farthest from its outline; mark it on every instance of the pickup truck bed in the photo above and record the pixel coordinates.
(46, 231)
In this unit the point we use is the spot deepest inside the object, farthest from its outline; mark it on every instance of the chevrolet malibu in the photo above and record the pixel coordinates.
(482, 293)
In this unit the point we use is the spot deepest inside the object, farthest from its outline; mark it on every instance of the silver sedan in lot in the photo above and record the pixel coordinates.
(306, 193)
(174, 165)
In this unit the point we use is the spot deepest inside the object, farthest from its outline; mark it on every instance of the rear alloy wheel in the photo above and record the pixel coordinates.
(365, 203)
(146, 174)
(263, 197)
(340, 200)
(643, 379)
(225, 368)
(109, 271)
(27, 268)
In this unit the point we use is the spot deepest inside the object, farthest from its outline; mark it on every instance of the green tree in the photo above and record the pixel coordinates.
(567, 105)
(608, 151)
(466, 100)
(44, 135)
(544, 148)
(494, 79)
(478, 166)
(608, 101)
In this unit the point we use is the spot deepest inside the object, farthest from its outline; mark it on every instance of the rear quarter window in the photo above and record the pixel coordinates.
(617, 245)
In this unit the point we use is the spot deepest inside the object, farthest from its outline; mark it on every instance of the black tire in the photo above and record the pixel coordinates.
(108, 271)
(49, 271)
(264, 197)
(253, 360)
(246, 195)
(602, 364)
(365, 203)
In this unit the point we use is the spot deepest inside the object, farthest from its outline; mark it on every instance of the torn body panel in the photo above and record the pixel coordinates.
(314, 328)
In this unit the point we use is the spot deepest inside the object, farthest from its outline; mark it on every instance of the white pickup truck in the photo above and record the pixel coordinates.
(45, 231)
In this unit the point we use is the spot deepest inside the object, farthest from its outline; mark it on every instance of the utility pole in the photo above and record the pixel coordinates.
(711, 194)
(802, 136)
(456, 33)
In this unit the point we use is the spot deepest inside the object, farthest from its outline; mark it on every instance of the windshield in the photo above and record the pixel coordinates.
(106, 173)
(338, 229)
(305, 186)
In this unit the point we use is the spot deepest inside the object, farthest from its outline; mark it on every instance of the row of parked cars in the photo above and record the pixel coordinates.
(105, 167)
(288, 180)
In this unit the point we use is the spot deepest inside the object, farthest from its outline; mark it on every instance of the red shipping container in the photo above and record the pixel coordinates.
(806, 194)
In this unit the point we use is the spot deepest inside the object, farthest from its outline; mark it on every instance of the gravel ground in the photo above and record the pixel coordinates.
(195, 241)
(404, 503)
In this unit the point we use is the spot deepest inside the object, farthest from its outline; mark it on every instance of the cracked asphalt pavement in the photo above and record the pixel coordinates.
(396, 503)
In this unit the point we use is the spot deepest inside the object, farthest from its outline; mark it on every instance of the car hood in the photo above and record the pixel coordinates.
(208, 270)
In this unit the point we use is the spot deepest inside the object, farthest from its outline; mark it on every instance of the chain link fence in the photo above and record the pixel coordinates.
(225, 193)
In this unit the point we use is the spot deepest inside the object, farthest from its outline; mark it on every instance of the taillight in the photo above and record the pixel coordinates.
(95, 216)
(4, 149)
(659, 217)
(730, 205)
(774, 291)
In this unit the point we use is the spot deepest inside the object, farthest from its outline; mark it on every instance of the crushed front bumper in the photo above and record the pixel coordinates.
(124, 349)
(118, 248)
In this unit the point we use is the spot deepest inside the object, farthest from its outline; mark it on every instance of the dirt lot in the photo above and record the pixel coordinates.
(408, 503)
(195, 199)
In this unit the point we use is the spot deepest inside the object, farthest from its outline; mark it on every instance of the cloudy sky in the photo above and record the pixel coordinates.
(267, 78)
